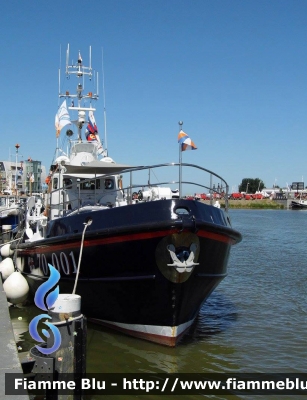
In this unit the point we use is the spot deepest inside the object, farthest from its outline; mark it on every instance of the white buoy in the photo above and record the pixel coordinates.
(6, 268)
(16, 288)
(6, 250)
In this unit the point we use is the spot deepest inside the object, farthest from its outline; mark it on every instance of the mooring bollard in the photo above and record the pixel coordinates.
(70, 358)
(68, 362)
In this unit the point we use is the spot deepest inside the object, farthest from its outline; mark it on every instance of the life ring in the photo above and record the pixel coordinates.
(48, 179)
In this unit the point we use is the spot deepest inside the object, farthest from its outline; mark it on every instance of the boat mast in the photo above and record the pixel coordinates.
(81, 71)
(17, 147)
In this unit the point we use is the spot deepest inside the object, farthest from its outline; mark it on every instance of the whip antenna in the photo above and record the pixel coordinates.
(104, 108)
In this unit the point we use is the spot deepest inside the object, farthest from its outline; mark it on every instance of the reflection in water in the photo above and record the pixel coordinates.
(216, 315)
(21, 317)
(199, 351)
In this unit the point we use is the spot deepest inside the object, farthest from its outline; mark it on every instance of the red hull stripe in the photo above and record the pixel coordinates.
(216, 236)
(119, 239)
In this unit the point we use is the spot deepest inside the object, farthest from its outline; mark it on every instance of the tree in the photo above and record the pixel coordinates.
(250, 185)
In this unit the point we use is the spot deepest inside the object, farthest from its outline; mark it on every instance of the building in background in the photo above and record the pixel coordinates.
(23, 177)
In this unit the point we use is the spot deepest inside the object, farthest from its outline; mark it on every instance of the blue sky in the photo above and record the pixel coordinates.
(234, 71)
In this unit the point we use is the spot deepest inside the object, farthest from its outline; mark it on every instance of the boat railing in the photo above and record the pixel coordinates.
(214, 183)
(203, 179)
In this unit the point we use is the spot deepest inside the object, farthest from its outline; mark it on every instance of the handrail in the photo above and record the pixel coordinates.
(222, 188)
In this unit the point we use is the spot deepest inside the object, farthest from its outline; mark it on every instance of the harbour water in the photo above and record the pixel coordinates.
(254, 322)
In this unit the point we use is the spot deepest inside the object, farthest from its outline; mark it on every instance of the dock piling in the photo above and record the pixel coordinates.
(69, 360)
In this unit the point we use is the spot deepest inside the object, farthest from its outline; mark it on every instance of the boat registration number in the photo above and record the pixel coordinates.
(64, 263)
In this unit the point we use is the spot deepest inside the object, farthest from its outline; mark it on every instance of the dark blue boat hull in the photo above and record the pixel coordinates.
(127, 280)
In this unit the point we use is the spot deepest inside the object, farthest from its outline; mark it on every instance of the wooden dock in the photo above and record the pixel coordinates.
(9, 355)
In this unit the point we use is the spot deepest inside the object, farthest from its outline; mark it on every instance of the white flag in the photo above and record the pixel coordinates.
(62, 118)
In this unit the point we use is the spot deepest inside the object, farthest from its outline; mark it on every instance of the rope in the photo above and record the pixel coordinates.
(86, 224)
(67, 321)
(17, 240)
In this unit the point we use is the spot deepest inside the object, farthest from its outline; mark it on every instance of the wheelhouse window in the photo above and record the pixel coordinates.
(67, 183)
(90, 185)
(109, 184)
(55, 183)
